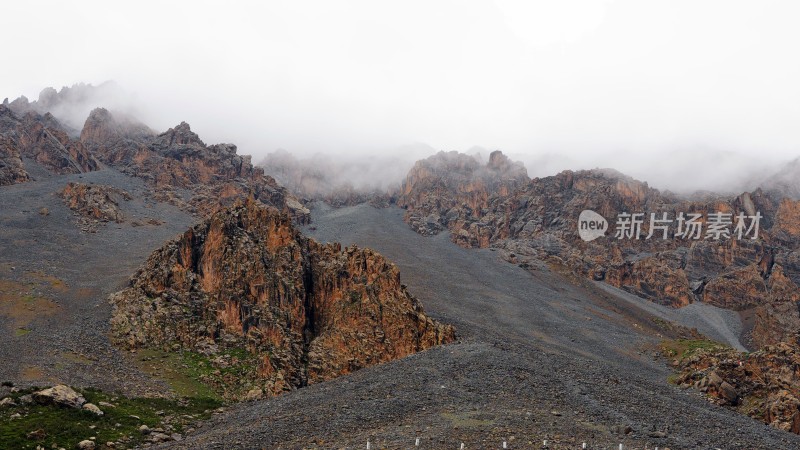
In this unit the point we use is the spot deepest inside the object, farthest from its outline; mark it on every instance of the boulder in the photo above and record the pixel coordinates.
(60, 395)
(87, 445)
(92, 408)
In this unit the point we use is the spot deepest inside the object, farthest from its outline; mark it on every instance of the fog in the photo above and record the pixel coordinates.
(683, 94)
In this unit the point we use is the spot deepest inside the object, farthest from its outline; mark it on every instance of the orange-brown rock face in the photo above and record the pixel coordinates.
(764, 384)
(787, 218)
(442, 191)
(178, 159)
(537, 220)
(304, 312)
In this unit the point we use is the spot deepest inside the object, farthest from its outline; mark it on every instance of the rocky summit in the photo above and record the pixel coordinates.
(301, 312)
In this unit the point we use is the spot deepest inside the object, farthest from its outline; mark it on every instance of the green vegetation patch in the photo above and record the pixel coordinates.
(685, 348)
(54, 426)
(224, 375)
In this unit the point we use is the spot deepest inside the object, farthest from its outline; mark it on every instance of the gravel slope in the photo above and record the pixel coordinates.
(64, 337)
(541, 356)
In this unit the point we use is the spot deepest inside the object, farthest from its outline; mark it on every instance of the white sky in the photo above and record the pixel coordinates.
(653, 88)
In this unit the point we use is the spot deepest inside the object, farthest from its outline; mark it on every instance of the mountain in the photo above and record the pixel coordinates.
(247, 280)
(536, 222)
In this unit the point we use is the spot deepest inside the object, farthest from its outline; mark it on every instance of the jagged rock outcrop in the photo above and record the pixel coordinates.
(447, 189)
(304, 312)
(764, 385)
(538, 221)
(177, 160)
(41, 138)
(95, 201)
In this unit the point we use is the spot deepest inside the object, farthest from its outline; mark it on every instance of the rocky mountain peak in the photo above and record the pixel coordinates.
(182, 134)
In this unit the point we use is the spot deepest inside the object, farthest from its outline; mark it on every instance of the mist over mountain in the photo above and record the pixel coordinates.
(72, 104)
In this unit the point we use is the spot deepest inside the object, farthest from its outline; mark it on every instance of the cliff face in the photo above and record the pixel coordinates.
(177, 159)
(538, 221)
(304, 312)
(41, 138)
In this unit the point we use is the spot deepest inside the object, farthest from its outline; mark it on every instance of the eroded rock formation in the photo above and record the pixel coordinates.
(449, 189)
(304, 312)
(177, 162)
(40, 138)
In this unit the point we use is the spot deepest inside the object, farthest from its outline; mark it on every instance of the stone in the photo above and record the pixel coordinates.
(60, 395)
(8, 401)
(144, 429)
(86, 445)
(159, 437)
(254, 394)
(92, 408)
(728, 392)
(37, 435)
(714, 379)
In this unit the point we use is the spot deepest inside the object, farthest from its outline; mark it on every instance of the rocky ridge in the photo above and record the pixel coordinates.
(538, 220)
(302, 312)
(43, 139)
(181, 168)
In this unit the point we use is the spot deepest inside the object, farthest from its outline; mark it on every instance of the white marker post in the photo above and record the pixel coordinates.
(416, 443)
(584, 446)
(462, 446)
(368, 446)
(505, 445)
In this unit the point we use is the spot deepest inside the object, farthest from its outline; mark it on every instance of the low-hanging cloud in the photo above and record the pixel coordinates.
(684, 94)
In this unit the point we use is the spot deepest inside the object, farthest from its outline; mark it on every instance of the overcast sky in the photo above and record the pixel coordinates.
(650, 87)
